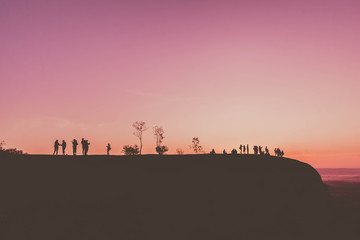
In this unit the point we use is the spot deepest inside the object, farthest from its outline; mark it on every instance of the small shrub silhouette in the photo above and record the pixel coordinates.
(131, 150)
(161, 149)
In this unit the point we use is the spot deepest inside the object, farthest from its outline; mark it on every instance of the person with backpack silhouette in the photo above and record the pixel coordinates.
(63, 145)
(56, 147)
(74, 143)
(108, 148)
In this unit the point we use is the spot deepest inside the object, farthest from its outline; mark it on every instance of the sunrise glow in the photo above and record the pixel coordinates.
(272, 73)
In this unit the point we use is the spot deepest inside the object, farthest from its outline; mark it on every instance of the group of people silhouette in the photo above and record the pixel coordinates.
(85, 146)
(84, 143)
(258, 150)
(244, 149)
(278, 152)
(56, 147)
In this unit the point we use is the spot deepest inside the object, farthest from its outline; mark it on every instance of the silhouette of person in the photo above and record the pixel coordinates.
(260, 150)
(240, 149)
(282, 153)
(224, 152)
(56, 147)
(83, 145)
(86, 147)
(74, 143)
(108, 148)
(247, 149)
(255, 150)
(63, 145)
(212, 151)
(267, 151)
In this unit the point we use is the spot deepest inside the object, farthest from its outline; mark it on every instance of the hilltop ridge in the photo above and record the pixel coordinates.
(161, 197)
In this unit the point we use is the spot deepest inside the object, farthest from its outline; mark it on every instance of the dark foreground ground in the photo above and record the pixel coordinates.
(167, 197)
(346, 208)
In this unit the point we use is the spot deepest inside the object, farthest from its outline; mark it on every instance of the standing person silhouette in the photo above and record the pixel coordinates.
(267, 151)
(86, 147)
(255, 150)
(247, 149)
(56, 147)
(74, 143)
(108, 148)
(240, 148)
(83, 145)
(260, 150)
(63, 145)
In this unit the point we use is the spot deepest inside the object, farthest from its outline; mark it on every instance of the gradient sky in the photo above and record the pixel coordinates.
(277, 73)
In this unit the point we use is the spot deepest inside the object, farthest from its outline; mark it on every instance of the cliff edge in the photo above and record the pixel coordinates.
(161, 197)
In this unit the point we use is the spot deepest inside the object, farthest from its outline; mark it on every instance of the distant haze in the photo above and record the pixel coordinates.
(277, 73)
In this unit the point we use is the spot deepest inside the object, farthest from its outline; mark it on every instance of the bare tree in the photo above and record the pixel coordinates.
(195, 146)
(159, 135)
(140, 127)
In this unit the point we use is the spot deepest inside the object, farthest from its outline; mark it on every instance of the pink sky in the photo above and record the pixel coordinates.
(277, 73)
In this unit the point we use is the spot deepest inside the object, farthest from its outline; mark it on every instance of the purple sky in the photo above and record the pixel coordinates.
(278, 73)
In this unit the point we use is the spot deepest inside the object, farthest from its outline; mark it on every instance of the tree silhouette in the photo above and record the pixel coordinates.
(140, 127)
(159, 135)
(161, 149)
(130, 150)
(195, 146)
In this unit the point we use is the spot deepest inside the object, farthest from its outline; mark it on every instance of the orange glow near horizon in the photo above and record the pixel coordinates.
(229, 72)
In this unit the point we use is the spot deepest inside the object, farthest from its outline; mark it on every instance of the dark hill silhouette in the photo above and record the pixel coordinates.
(161, 197)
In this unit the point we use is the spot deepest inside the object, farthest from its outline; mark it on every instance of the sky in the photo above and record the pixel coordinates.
(272, 73)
